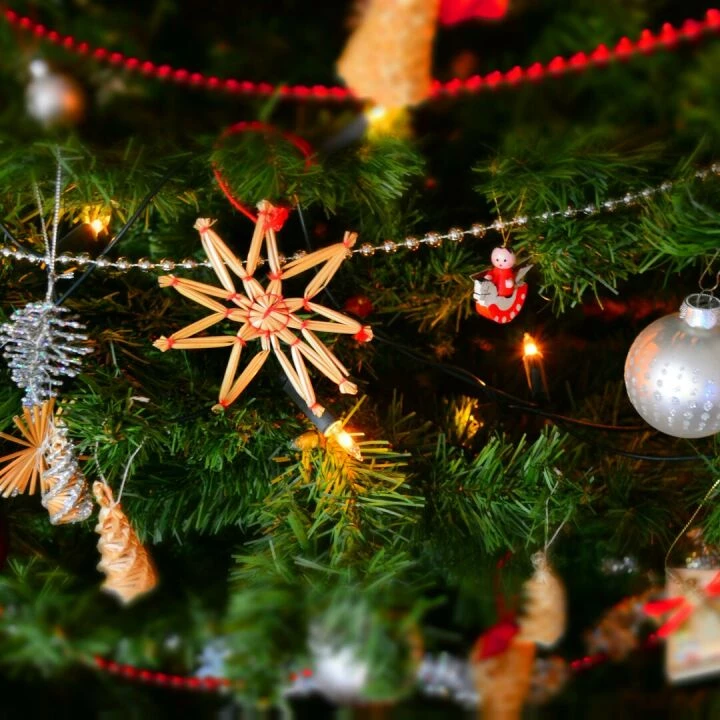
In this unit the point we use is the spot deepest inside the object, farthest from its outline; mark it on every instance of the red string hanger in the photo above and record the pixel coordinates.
(279, 214)
(668, 38)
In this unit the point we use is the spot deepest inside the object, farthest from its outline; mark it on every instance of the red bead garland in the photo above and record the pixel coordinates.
(150, 677)
(668, 38)
(213, 684)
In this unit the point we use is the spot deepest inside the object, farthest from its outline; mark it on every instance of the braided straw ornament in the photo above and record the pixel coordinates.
(388, 58)
(126, 564)
(48, 455)
(545, 614)
(63, 486)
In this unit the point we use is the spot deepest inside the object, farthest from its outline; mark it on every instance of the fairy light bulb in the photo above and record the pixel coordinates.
(326, 423)
(530, 347)
(344, 439)
(534, 367)
(384, 122)
(97, 226)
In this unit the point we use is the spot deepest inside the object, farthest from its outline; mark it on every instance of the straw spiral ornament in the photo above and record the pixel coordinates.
(125, 562)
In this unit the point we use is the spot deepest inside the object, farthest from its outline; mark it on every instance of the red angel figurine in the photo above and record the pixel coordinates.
(500, 292)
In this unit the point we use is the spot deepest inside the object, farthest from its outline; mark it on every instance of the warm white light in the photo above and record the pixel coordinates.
(97, 226)
(530, 347)
(375, 114)
(344, 439)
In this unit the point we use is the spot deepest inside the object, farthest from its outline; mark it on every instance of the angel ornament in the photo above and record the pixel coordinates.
(500, 292)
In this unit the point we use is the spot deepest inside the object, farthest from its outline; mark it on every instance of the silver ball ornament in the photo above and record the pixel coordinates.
(672, 372)
(52, 98)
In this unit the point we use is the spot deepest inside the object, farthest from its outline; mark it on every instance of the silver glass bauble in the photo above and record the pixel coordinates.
(52, 98)
(672, 372)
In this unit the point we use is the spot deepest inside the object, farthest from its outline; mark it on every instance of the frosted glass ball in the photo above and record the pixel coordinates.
(672, 372)
(52, 98)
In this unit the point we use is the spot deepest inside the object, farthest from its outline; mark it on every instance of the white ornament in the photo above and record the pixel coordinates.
(213, 659)
(672, 372)
(52, 98)
(338, 673)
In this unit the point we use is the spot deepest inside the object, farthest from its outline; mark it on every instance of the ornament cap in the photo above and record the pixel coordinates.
(701, 310)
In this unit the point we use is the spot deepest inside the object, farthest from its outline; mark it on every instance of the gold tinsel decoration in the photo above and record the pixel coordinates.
(544, 616)
(388, 58)
(126, 564)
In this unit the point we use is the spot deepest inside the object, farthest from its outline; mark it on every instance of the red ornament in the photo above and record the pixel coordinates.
(455, 11)
(679, 609)
(500, 292)
(359, 305)
(494, 641)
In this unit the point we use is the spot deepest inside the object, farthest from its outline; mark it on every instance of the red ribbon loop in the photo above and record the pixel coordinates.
(275, 218)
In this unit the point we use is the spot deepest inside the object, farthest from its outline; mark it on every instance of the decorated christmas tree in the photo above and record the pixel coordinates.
(359, 358)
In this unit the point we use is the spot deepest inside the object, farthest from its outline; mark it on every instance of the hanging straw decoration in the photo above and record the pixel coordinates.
(126, 564)
(545, 614)
(65, 493)
(22, 468)
(264, 314)
(388, 58)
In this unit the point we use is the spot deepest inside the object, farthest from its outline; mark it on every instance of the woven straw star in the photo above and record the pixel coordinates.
(264, 314)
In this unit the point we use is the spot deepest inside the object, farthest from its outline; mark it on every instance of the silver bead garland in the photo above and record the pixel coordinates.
(430, 239)
(42, 347)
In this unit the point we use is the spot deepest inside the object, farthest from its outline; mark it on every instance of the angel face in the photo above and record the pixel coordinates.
(502, 258)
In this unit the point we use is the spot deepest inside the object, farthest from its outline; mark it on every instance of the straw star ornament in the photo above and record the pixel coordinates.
(264, 313)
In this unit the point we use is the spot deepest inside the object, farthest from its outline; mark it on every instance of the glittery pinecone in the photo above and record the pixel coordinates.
(41, 347)
(64, 489)
(128, 568)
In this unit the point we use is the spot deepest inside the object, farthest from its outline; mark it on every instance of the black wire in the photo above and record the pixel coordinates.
(8, 234)
(515, 403)
(124, 229)
(477, 383)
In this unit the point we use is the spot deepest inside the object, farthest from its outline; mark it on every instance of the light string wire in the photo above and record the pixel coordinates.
(667, 39)
(430, 239)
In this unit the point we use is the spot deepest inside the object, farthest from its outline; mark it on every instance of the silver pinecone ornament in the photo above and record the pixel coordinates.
(41, 348)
